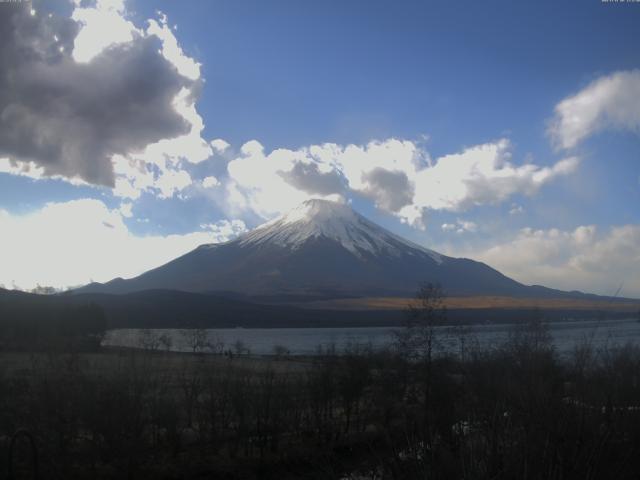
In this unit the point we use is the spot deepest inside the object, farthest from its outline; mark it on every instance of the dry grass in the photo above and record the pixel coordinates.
(396, 303)
(110, 360)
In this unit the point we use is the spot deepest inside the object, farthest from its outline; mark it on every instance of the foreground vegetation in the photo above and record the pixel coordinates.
(514, 412)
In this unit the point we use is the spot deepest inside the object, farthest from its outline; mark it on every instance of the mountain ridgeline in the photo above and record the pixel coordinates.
(321, 249)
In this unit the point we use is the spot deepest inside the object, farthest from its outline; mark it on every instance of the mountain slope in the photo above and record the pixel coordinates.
(320, 249)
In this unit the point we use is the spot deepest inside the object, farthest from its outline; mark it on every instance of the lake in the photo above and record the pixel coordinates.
(305, 341)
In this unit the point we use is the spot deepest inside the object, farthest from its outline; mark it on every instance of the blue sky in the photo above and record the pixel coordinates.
(502, 131)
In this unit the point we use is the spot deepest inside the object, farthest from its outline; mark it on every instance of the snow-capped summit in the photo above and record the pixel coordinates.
(334, 221)
(320, 248)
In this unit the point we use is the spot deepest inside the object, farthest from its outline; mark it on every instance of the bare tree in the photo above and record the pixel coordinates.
(240, 348)
(149, 340)
(425, 314)
(165, 341)
(531, 337)
(215, 344)
(196, 339)
(280, 351)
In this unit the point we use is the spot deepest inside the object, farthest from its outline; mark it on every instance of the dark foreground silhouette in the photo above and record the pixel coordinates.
(515, 412)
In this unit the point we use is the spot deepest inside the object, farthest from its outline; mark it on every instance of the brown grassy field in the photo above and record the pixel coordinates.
(109, 360)
(398, 303)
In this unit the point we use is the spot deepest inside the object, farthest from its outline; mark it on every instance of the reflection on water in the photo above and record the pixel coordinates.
(305, 341)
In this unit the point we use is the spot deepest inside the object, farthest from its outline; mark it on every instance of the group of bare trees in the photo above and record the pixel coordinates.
(514, 412)
(142, 414)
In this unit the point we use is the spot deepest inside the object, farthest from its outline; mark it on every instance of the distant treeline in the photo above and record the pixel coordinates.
(175, 309)
(38, 322)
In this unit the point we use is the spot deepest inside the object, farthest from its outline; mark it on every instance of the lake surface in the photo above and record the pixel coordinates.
(306, 341)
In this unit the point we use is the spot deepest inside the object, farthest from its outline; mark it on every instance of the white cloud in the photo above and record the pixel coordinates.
(72, 243)
(224, 230)
(481, 175)
(467, 226)
(219, 145)
(516, 209)
(171, 181)
(380, 169)
(22, 169)
(171, 50)
(34, 171)
(132, 177)
(158, 169)
(609, 102)
(126, 210)
(257, 182)
(190, 147)
(460, 226)
(587, 258)
(210, 182)
(102, 26)
(398, 175)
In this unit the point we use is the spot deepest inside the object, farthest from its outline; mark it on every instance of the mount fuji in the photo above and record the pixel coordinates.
(321, 249)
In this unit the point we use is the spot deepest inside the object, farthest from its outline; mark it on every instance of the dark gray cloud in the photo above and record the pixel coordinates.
(391, 190)
(70, 118)
(308, 178)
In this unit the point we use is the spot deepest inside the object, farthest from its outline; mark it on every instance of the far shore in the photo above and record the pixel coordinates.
(481, 302)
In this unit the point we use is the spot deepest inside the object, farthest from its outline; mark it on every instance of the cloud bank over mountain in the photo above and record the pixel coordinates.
(587, 258)
(73, 243)
(399, 176)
